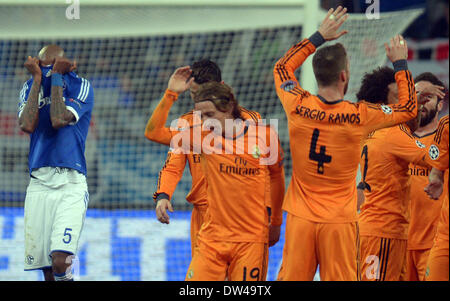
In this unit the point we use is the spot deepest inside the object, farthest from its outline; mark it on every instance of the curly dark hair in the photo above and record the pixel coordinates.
(374, 85)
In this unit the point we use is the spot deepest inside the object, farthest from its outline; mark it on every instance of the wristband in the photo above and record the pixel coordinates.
(317, 39)
(400, 65)
(159, 196)
(57, 79)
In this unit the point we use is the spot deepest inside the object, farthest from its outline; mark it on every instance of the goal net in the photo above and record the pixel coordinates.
(127, 52)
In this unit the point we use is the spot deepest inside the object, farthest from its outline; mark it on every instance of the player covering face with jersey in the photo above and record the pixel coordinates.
(55, 109)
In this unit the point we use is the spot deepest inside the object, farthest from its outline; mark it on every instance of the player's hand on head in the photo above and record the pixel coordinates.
(32, 65)
(63, 65)
(397, 49)
(426, 90)
(329, 29)
(180, 80)
(161, 210)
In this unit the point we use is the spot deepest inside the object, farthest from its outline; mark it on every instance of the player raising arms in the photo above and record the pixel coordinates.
(326, 134)
(424, 212)
(438, 259)
(55, 109)
(385, 160)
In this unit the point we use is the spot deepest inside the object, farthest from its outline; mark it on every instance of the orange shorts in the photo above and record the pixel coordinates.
(197, 219)
(437, 266)
(416, 264)
(234, 261)
(382, 259)
(334, 247)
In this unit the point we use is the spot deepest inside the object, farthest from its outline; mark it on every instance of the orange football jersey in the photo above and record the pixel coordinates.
(326, 137)
(438, 151)
(173, 168)
(384, 165)
(424, 211)
(439, 160)
(237, 185)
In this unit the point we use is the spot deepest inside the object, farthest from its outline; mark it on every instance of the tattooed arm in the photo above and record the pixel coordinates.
(59, 115)
(29, 117)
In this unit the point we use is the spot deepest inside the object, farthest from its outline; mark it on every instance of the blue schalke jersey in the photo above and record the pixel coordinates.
(63, 147)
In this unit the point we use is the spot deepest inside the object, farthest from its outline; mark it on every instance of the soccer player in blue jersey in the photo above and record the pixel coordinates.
(55, 109)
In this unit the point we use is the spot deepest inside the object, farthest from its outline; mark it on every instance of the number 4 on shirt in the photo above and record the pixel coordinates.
(319, 157)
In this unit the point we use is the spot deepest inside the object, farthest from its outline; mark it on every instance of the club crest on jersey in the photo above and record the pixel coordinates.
(433, 152)
(29, 259)
(288, 85)
(420, 144)
(386, 109)
(256, 152)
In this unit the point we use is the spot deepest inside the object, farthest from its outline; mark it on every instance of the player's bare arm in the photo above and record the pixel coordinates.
(332, 22)
(29, 118)
(59, 115)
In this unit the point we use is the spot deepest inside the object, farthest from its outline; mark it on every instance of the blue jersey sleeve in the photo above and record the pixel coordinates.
(23, 96)
(79, 97)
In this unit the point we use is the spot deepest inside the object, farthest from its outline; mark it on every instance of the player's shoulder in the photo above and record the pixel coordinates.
(395, 134)
(25, 89)
(27, 84)
(249, 114)
(189, 117)
(350, 105)
(367, 105)
(443, 121)
(78, 86)
(402, 129)
(442, 130)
